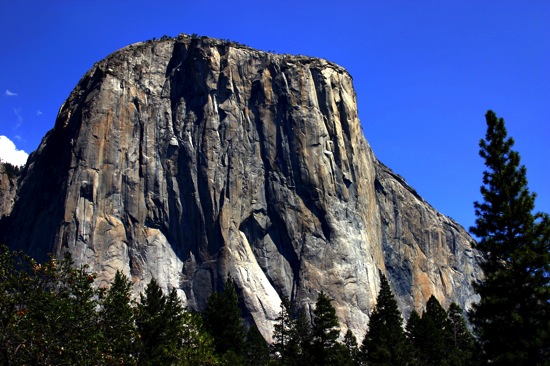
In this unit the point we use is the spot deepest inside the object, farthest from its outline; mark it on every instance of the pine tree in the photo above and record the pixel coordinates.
(434, 335)
(415, 337)
(223, 320)
(385, 342)
(325, 331)
(158, 321)
(462, 349)
(174, 315)
(150, 324)
(285, 345)
(428, 335)
(291, 338)
(196, 346)
(440, 337)
(256, 348)
(352, 348)
(512, 319)
(117, 325)
(304, 340)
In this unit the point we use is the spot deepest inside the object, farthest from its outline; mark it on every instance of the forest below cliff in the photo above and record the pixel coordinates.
(52, 314)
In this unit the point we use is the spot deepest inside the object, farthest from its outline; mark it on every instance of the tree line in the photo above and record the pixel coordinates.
(52, 314)
(436, 337)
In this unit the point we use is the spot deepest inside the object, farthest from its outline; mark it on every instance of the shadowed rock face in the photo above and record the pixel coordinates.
(187, 159)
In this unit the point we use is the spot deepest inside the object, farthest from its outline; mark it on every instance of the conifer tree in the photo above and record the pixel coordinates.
(223, 320)
(352, 349)
(325, 332)
(304, 340)
(512, 319)
(256, 348)
(291, 338)
(413, 332)
(385, 342)
(285, 342)
(462, 350)
(427, 334)
(158, 321)
(196, 345)
(174, 314)
(117, 325)
(434, 334)
(440, 337)
(149, 323)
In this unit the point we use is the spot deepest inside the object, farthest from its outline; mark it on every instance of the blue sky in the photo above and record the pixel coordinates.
(425, 72)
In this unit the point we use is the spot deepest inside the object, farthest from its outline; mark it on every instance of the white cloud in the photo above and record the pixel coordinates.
(39, 112)
(9, 93)
(10, 154)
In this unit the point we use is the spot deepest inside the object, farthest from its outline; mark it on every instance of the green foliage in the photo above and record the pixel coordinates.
(340, 356)
(385, 342)
(413, 331)
(512, 319)
(285, 344)
(296, 342)
(256, 348)
(150, 324)
(158, 320)
(430, 335)
(117, 323)
(222, 319)
(196, 345)
(52, 314)
(325, 332)
(304, 339)
(440, 337)
(351, 347)
(462, 350)
(47, 312)
(433, 347)
(291, 338)
(10, 313)
(169, 335)
(60, 314)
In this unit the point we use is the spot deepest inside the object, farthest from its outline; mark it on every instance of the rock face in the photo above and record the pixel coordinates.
(425, 252)
(189, 159)
(8, 188)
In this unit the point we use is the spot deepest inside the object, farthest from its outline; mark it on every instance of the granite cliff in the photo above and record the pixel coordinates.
(8, 187)
(187, 159)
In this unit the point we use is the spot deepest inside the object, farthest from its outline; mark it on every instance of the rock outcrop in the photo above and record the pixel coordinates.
(189, 159)
(8, 188)
(425, 252)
